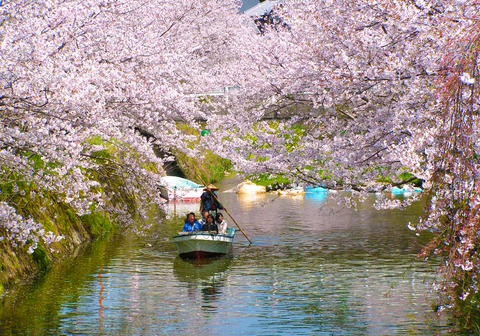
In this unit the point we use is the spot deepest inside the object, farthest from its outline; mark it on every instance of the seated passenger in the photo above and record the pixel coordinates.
(210, 224)
(221, 224)
(203, 220)
(191, 225)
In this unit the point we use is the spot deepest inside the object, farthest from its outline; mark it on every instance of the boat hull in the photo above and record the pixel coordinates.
(200, 254)
(204, 244)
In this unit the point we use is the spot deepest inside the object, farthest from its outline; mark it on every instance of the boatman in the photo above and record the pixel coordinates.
(209, 201)
(191, 225)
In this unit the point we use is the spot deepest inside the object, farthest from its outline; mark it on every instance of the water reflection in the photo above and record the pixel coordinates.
(249, 201)
(315, 268)
(207, 274)
(182, 208)
(43, 306)
(100, 301)
(209, 270)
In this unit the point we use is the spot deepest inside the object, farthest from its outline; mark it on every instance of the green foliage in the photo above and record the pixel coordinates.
(291, 139)
(37, 161)
(151, 167)
(216, 166)
(406, 175)
(96, 224)
(209, 170)
(391, 178)
(96, 140)
(106, 153)
(271, 182)
(41, 258)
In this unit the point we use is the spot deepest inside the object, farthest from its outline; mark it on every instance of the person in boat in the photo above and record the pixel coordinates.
(210, 225)
(191, 224)
(221, 223)
(209, 201)
(203, 220)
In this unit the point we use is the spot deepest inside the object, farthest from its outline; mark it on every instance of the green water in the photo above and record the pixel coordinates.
(314, 268)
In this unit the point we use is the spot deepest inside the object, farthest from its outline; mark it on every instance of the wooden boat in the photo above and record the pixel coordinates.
(203, 244)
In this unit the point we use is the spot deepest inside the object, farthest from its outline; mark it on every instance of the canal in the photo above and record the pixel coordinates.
(315, 267)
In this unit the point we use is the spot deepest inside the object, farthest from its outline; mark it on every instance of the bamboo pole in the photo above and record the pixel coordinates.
(228, 213)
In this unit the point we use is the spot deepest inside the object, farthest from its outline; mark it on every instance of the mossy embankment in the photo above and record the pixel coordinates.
(57, 217)
(210, 168)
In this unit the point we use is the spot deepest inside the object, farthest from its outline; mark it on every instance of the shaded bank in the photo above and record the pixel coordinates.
(16, 263)
(61, 228)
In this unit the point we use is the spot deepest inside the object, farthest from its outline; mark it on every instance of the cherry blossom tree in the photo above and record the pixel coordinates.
(362, 92)
(354, 72)
(341, 93)
(81, 77)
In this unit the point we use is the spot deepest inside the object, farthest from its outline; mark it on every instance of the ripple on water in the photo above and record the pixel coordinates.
(313, 269)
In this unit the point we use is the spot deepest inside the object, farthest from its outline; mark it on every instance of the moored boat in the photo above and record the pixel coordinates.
(203, 244)
(177, 188)
(406, 190)
(296, 191)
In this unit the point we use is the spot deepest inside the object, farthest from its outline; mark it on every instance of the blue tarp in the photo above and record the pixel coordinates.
(315, 190)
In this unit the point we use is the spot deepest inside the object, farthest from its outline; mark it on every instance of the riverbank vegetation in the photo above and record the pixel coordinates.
(211, 168)
(352, 86)
(205, 167)
(50, 224)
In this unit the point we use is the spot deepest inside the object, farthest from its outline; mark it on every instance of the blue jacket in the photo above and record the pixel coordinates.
(191, 228)
(209, 202)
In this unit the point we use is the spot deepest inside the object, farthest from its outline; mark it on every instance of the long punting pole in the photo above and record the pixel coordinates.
(230, 216)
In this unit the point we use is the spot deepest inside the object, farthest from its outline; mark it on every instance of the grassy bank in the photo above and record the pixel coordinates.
(208, 170)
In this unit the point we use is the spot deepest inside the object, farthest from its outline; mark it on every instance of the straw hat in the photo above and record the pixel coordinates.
(210, 187)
